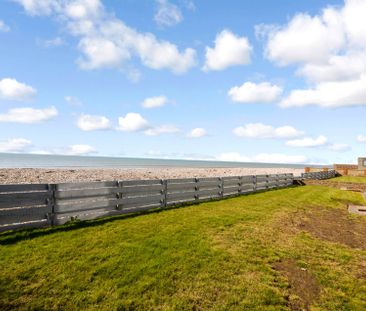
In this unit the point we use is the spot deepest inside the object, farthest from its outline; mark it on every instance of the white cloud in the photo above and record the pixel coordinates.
(330, 50)
(167, 14)
(4, 27)
(329, 94)
(361, 138)
(93, 123)
(29, 115)
(349, 66)
(308, 142)
(15, 145)
(106, 41)
(229, 50)
(154, 102)
(73, 101)
(79, 150)
(55, 42)
(197, 132)
(163, 129)
(306, 38)
(259, 130)
(250, 92)
(11, 89)
(263, 158)
(339, 147)
(132, 122)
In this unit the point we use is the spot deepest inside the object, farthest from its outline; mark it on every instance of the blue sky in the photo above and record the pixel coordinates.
(268, 81)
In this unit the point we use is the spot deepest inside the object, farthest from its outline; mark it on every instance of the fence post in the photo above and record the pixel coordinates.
(165, 191)
(240, 184)
(221, 185)
(254, 183)
(196, 189)
(51, 201)
(119, 194)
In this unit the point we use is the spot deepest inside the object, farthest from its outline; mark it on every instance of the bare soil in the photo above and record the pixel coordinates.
(359, 187)
(333, 225)
(303, 287)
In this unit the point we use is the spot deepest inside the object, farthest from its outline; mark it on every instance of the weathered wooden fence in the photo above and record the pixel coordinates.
(37, 205)
(319, 175)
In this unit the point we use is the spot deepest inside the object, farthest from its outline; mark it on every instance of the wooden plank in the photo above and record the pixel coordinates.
(19, 215)
(142, 199)
(181, 180)
(33, 224)
(180, 201)
(141, 182)
(180, 196)
(231, 188)
(142, 189)
(214, 192)
(209, 180)
(209, 187)
(181, 187)
(83, 215)
(134, 206)
(82, 193)
(23, 188)
(247, 178)
(9, 200)
(230, 194)
(209, 183)
(86, 185)
(86, 204)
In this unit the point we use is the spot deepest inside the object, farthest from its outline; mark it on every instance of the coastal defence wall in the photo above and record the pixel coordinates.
(39, 205)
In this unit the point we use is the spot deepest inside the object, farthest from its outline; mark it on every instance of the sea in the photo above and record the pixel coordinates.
(20, 160)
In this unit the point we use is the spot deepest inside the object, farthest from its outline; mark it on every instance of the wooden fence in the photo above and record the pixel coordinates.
(319, 175)
(37, 205)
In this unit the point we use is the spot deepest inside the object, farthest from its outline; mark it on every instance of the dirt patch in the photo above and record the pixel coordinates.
(332, 224)
(303, 287)
(359, 187)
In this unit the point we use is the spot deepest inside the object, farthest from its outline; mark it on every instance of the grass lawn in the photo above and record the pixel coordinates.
(295, 248)
(350, 179)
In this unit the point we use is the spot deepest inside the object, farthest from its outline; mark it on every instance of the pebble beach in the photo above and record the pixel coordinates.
(39, 175)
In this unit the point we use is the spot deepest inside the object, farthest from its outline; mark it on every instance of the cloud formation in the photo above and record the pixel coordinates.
(132, 122)
(260, 130)
(29, 115)
(154, 102)
(167, 14)
(93, 123)
(106, 41)
(250, 92)
(197, 132)
(229, 50)
(15, 145)
(11, 89)
(308, 142)
(330, 51)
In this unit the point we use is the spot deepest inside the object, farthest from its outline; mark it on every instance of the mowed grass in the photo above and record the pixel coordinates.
(350, 179)
(212, 256)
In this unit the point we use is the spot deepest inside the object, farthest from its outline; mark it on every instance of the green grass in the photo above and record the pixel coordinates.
(350, 179)
(212, 256)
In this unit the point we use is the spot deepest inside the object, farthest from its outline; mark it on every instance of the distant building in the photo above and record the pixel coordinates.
(352, 169)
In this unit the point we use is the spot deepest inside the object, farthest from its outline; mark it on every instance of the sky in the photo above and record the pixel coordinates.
(259, 81)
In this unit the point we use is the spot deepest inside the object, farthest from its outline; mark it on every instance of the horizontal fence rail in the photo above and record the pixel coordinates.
(37, 205)
(319, 175)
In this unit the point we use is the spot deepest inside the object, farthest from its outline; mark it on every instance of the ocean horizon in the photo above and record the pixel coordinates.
(24, 160)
